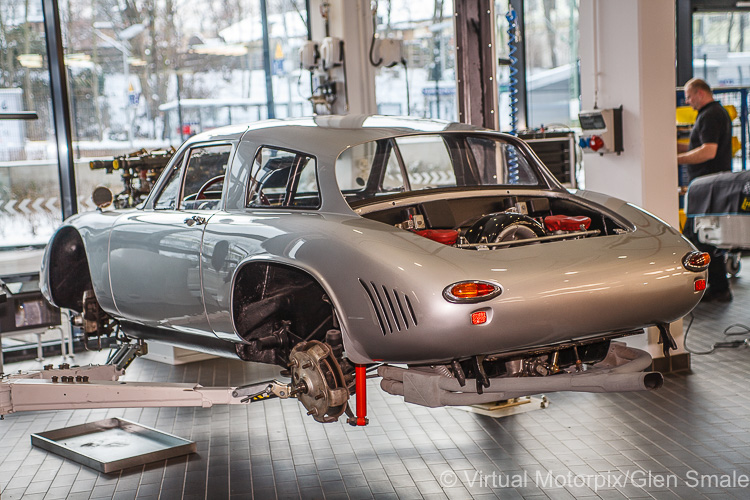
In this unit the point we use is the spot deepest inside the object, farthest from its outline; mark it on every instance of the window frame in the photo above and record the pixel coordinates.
(182, 156)
(292, 182)
(452, 141)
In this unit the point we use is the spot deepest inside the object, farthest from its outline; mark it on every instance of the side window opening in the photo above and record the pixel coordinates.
(369, 169)
(202, 183)
(282, 178)
(167, 199)
(204, 177)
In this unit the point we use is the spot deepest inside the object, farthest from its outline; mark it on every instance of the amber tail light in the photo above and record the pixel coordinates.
(471, 291)
(696, 261)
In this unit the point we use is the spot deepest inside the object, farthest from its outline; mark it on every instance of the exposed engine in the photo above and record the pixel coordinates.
(618, 368)
(503, 222)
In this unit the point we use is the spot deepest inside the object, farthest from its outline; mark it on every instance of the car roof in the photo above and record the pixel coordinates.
(330, 133)
(325, 137)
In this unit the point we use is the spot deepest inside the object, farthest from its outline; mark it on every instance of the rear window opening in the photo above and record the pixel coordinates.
(419, 163)
(434, 185)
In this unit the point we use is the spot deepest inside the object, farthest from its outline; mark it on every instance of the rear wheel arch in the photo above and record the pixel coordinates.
(270, 296)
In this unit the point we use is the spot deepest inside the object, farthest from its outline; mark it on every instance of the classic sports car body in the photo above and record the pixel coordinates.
(328, 242)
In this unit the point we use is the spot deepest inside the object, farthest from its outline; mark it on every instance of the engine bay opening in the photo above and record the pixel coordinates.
(487, 222)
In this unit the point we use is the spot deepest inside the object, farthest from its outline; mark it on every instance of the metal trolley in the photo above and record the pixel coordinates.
(719, 207)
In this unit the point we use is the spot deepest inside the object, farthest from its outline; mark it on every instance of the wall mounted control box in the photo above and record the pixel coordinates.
(601, 131)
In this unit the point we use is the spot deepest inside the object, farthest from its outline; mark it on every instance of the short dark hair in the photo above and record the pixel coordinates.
(698, 84)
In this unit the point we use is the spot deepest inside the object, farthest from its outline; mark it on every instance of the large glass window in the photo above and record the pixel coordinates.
(550, 35)
(720, 57)
(29, 181)
(720, 51)
(426, 30)
(149, 74)
(552, 73)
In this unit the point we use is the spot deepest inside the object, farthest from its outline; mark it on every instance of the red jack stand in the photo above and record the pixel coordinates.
(360, 373)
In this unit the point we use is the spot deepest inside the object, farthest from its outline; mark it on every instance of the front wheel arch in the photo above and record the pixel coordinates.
(68, 272)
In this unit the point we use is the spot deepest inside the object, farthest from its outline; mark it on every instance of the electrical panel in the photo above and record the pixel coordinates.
(331, 52)
(601, 131)
(309, 55)
(325, 62)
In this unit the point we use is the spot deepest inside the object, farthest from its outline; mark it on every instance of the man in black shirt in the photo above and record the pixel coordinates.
(710, 148)
(709, 152)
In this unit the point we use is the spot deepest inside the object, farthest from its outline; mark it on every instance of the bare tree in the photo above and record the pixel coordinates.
(549, 7)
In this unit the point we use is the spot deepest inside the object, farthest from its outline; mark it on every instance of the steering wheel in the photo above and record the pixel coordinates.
(260, 199)
(201, 192)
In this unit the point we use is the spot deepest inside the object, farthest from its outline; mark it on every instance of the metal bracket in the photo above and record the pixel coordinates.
(261, 391)
(665, 339)
(482, 379)
(126, 354)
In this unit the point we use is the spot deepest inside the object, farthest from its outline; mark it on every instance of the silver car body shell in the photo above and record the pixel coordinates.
(149, 268)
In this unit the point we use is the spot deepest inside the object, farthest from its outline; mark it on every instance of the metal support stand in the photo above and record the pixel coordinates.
(97, 386)
(361, 388)
(508, 407)
(39, 351)
(66, 343)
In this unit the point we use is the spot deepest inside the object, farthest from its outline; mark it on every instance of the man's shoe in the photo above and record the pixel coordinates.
(717, 296)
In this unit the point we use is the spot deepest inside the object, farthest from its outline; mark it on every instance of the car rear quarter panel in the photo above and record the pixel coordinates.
(552, 292)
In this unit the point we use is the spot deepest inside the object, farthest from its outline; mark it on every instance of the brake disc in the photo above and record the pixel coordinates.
(318, 376)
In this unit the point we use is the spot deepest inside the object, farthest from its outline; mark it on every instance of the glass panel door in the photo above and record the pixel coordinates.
(29, 180)
(550, 36)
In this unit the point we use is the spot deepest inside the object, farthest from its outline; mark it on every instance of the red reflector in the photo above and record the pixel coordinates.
(566, 223)
(700, 285)
(444, 236)
(478, 317)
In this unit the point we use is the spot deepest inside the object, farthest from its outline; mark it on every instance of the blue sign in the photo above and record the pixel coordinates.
(441, 91)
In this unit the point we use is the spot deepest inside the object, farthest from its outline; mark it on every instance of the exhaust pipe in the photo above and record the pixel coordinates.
(620, 371)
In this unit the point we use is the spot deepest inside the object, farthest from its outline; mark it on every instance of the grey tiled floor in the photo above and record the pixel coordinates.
(689, 439)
